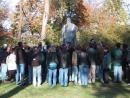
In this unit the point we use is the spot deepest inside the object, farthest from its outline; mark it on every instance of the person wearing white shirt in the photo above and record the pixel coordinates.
(11, 63)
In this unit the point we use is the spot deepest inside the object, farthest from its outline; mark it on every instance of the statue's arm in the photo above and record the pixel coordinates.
(76, 28)
(63, 31)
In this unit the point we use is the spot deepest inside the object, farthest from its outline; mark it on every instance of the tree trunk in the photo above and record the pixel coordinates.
(20, 22)
(45, 19)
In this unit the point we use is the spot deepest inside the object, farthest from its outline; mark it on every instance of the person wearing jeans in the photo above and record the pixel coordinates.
(3, 71)
(83, 68)
(83, 71)
(117, 73)
(63, 77)
(52, 79)
(37, 76)
(75, 74)
(117, 63)
(20, 61)
(63, 71)
(52, 62)
(75, 66)
(106, 65)
(36, 66)
(92, 57)
(20, 73)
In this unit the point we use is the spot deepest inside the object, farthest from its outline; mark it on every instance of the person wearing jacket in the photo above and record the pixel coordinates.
(52, 62)
(75, 66)
(83, 67)
(106, 64)
(36, 66)
(117, 54)
(63, 70)
(20, 61)
(92, 57)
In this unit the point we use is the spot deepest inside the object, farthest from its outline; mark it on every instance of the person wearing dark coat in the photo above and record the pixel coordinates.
(20, 61)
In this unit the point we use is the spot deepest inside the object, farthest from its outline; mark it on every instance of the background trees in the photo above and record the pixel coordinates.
(3, 15)
(43, 19)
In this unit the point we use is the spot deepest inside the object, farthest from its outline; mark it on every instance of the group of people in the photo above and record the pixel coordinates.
(64, 64)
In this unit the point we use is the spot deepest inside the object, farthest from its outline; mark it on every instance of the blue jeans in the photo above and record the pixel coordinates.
(117, 73)
(52, 77)
(75, 74)
(83, 74)
(63, 76)
(99, 72)
(70, 74)
(3, 71)
(29, 74)
(20, 71)
(37, 77)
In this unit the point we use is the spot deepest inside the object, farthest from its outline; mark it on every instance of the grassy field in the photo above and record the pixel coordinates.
(92, 91)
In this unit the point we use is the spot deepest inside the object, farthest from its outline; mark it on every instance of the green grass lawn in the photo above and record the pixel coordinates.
(92, 91)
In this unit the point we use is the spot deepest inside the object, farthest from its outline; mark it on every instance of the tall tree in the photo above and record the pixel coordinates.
(45, 18)
(3, 14)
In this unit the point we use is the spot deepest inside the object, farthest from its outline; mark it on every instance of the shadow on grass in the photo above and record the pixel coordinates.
(12, 92)
(112, 91)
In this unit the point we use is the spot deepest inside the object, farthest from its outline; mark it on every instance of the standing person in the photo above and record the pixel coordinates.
(69, 61)
(124, 59)
(3, 64)
(52, 62)
(83, 67)
(63, 70)
(117, 63)
(42, 51)
(92, 57)
(106, 65)
(29, 52)
(11, 63)
(36, 64)
(128, 74)
(20, 61)
(100, 56)
(75, 66)
(128, 67)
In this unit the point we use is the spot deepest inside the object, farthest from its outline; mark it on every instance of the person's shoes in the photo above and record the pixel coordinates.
(52, 86)
(89, 81)
(39, 85)
(84, 86)
(102, 81)
(22, 85)
(12, 80)
(18, 83)
(34, 85)
(128, 84)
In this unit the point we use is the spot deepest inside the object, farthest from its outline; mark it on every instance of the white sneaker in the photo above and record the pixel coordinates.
(39, 85)
(128, 84)
(34, 85)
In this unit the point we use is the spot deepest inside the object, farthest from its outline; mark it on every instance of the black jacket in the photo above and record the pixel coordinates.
(20, 56)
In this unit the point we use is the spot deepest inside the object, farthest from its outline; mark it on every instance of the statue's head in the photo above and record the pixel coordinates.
(68, 20)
